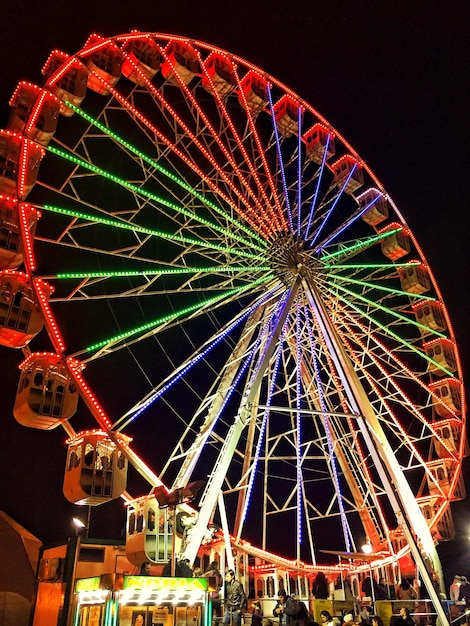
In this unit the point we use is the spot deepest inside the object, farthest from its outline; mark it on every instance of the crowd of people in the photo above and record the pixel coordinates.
(289, 611)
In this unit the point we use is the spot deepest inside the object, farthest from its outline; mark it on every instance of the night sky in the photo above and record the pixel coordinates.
(390, 76)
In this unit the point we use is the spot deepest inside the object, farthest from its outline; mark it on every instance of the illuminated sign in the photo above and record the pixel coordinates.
(87, 584)
(165, 584)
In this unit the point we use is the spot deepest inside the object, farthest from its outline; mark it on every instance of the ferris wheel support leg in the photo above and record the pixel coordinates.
(402, 499)
(217, 477)
(418, 558)
(225, 530)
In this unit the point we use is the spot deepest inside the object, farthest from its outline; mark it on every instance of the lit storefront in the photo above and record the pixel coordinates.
(142, 601)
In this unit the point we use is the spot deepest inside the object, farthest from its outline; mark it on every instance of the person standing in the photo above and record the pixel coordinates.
(185, 570)
(381, 591)
(320, 587)
(406, 594)
(405, 618)
(256, 613)
(217, 582)
(464, 591)
(454, 590)
(285, 609)
(235, 600)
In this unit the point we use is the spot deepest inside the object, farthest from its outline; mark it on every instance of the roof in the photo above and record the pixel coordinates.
(19, 554)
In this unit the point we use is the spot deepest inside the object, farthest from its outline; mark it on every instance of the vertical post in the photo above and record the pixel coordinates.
(173, 539)
(71, 558)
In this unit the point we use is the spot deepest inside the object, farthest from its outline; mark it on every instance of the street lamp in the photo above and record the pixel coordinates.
(79, 525)
(367, 547)
(73, 553)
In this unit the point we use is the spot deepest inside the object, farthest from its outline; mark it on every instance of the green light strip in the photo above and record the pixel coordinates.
(149, 231)
(153, 163)
(360, 244)
(391, 312)
(380, 287)
(142, 192)
(177, 314)
(400, 340)
(163, 272)
(371, 266)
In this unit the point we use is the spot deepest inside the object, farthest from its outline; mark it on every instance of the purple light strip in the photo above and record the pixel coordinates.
(348, 223)
(279, 156)
(317, 189)
(325, 219)
(324, 408)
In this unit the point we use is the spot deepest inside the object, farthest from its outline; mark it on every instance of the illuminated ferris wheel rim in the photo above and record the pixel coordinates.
(50, 321)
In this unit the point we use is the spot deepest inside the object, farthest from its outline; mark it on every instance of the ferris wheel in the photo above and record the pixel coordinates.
(233, 294)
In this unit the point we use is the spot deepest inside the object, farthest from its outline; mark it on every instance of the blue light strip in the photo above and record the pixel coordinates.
(158, 394)
(254, 349)
(299, 171)
(329, 439)
(264, 422)
(325, 219)
(299, 429)
(348, 223)
(155, 164)
(279, 156)
(317, 189)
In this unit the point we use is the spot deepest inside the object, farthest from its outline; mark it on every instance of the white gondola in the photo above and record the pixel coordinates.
(347, 168)
(220, 76)
(11, 249)
(96, 468)
(396, 244)
(255, 92)
(442, 355)
(142, 59)
(445, 478)
(318, 139)
(20, 318)
(374, 205)
(414, 278)
(148, 532)
(450, 433)
(67, 78)
(46, 395)
(449, 392)
(181, 63)
(103, 59)
(34, 112)
(431, 315)
(19, 164)
(286, 114)
(430, 507)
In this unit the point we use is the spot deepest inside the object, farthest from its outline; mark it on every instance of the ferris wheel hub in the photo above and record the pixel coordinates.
(290, 258)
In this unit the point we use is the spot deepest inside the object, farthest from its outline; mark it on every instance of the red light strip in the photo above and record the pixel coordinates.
(351, 425)
(254, 223)
(203, 150)
(89, 397)
(38, 107)
(24, 211)
(267, 171)
(69, 62)
(400, 367)
(43, 291)
(95, 43)
(26, 148)
(273, 216)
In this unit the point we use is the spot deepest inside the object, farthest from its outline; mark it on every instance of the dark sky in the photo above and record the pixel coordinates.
(391, 76)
